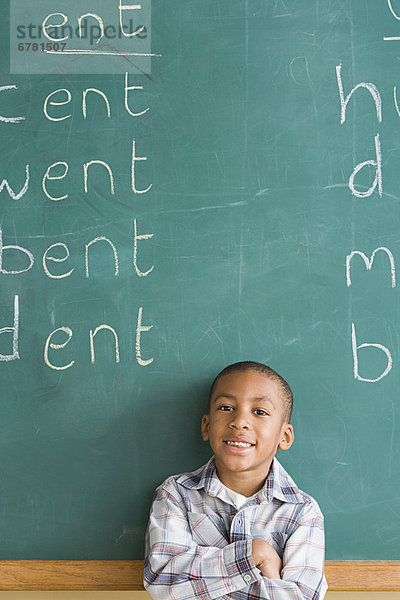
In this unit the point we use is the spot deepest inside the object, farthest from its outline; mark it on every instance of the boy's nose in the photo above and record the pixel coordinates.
(239, 421)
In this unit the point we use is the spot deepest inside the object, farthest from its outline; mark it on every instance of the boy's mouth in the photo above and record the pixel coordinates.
(236, 444)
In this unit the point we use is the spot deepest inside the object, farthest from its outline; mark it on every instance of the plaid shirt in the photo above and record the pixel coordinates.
(199, 546)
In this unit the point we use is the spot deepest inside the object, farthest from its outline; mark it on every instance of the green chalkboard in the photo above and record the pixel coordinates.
(244, 247)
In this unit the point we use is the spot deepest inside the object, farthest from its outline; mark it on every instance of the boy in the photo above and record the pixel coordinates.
(238, 527)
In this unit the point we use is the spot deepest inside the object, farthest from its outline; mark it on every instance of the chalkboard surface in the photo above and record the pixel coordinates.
(235, 217)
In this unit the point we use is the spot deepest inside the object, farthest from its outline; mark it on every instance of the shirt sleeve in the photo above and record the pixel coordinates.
(176, 567)
(303, 562)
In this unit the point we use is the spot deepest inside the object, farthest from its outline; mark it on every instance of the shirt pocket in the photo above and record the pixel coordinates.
(208, 530)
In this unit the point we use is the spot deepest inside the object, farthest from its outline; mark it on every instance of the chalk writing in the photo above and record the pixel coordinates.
(344, 101)
(65, 97)
(369, 263)
(355, 357)
(10, 119)
(14, 330)
(92, 336)
(53, 346)
(101, 239)
(377, 164)
(16, 260)
(19, 249)
(24, 189)
(48, 257)
(377, 184)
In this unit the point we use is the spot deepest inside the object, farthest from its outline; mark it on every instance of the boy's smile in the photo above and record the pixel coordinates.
(245, 427)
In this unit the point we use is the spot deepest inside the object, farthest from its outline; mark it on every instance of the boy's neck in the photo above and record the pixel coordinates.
(245, 483)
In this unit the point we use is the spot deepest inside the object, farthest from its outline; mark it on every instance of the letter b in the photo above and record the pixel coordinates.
(2, 248)
(355, 357)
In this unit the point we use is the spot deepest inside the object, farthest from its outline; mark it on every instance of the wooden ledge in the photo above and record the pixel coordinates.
(119, 575)
(363, 575)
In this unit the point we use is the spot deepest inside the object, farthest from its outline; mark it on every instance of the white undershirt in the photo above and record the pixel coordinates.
(237, 499)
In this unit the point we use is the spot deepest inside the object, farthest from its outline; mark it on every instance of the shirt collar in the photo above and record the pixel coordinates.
(281, 486)
(204, 478)
(278, 484)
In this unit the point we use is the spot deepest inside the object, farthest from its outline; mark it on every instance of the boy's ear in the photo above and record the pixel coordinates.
(287, 437)
(205, 426)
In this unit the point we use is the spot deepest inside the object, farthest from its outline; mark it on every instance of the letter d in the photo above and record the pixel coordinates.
(14, 331)
(355, 357)
(378, 173)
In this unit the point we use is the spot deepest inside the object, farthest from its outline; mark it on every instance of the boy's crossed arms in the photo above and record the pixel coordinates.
(194, 553)
(238, 527)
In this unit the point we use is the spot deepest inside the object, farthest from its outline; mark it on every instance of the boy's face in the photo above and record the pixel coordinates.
(246, 425)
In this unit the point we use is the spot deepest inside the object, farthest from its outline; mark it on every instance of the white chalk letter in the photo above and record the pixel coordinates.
(369, 263)
(98, 19)
(132, 87)
(344, 102)
(92, 335)
(140, 329)
(97, 162)
(123, 7)
(355, 357)
(53, 26)
(134, 159)
(14, 331)
(136, 238)
(378, 173)
(19, 249)
(53, 177)
(52, 103)
(66, 330)
(100, 93)
(396, 16)
(102, 239)
(57, 260)
(12, 195)
(10, 119)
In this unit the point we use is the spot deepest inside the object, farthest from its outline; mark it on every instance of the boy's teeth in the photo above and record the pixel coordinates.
(240, 444)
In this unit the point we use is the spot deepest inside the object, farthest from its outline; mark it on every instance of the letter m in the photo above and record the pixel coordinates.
(369, 263)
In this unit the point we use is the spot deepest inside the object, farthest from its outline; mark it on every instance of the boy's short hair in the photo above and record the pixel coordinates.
(249, 365)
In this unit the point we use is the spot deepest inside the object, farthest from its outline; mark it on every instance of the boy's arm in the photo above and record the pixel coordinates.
(176, 567)
(302, 575)
(266, 559)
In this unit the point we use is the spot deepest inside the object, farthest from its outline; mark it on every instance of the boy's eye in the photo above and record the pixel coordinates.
(225, 407)
(260, 411)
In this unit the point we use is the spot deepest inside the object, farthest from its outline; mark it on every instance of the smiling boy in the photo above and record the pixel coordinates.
(238, 527)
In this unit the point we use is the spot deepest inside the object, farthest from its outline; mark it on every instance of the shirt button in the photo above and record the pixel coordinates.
(247, 577)
(240, 521)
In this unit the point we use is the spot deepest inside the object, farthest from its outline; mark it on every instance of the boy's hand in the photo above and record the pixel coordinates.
(266, 559)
